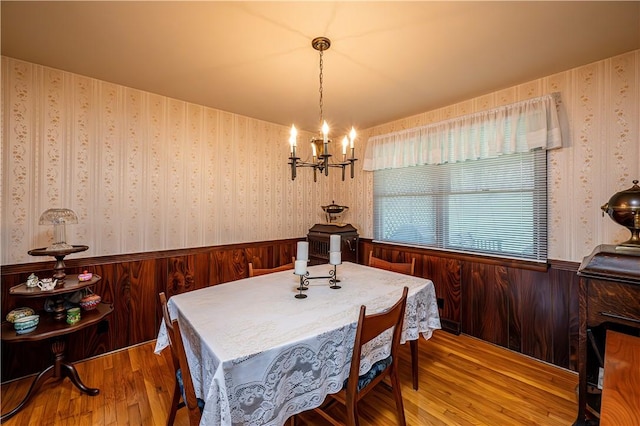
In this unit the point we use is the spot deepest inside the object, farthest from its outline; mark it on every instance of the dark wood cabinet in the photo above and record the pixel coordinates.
(609, 299)
(318, 238)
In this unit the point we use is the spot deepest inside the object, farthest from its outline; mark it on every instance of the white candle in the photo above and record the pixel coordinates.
(334, 243)
(300, 267)
(303, 251)
(352, 136)
(313, 147)
(345, 142)
(335, 258)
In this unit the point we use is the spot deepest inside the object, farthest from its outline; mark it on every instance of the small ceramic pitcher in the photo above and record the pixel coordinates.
(47, 284)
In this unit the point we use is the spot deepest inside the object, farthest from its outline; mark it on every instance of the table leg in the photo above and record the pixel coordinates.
(42, 377)
(59, 370)
(413, 344)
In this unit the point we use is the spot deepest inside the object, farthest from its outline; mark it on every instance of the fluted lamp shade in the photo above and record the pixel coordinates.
(59, 218)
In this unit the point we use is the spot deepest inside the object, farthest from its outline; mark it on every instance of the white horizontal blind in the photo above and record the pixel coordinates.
(493, 206)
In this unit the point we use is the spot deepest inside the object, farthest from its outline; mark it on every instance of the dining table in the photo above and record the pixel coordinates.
(258, 355)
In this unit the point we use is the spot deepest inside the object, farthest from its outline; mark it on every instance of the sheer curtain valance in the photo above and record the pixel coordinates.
(515, 128)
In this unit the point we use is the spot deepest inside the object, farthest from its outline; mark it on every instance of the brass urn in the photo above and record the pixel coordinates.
(624, 208)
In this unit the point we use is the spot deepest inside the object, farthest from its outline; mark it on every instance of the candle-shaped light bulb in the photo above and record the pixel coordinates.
(313, 149)
(352, 135)
(292, 140)
(345, 143)
(294, 136)
(325, 132)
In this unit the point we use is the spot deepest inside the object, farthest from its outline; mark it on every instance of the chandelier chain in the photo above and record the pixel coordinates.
(321, 100)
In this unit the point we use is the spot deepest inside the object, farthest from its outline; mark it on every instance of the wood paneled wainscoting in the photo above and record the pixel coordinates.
(520, 306)
(523, 306)
(131, 282)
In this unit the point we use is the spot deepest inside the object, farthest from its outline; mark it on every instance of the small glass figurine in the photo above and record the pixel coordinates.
(32, 281)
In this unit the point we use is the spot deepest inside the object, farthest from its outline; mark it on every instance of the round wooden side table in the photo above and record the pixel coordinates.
(57, 331)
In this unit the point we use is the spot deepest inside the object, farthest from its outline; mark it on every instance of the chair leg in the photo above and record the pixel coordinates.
(413, 344)
(397, 395)
(174, 404)
(352, 415)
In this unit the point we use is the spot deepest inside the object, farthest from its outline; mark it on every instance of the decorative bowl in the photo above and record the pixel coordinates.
(90, 302)
(26, 324)
(19, 313)
(333, 211)
(85, 276)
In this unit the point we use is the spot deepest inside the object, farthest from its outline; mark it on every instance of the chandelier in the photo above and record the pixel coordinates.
(322, 160)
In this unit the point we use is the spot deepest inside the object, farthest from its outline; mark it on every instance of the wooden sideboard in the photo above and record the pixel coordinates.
(609, 299)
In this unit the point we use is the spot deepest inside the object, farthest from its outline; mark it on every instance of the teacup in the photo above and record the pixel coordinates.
(46, 284)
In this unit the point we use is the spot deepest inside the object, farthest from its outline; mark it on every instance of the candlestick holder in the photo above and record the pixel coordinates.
(333, 280)
(304, 281)
(335, 259)
(304, 285)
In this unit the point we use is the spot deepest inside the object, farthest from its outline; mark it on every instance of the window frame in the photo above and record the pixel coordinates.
(442, 224)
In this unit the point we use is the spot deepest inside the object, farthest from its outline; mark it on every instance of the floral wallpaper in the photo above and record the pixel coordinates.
(145, 172)
(142, 171)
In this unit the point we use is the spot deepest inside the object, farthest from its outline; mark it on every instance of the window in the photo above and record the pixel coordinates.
(474, 183)
(495, 206)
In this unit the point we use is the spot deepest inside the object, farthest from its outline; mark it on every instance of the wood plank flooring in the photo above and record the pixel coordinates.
(463, 381)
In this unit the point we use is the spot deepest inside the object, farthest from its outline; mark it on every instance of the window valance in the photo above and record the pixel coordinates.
(515, 128)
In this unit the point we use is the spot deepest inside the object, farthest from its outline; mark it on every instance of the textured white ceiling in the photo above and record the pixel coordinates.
(387, 60)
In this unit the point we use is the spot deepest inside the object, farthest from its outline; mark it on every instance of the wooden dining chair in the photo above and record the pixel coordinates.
(403, 268)
(183, 388)
(253, 272)
(356, 387)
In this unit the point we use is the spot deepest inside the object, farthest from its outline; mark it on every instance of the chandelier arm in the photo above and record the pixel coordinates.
(293, 164)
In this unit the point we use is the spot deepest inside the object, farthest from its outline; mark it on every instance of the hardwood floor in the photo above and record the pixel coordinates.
(463, 381)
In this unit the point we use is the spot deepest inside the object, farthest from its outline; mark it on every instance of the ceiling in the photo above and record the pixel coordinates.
(387, 60)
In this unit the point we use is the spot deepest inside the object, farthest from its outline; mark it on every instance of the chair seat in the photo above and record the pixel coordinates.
(373, 372)
(181, 384)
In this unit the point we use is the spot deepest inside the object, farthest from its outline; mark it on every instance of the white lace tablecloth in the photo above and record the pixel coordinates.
(258, 355)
